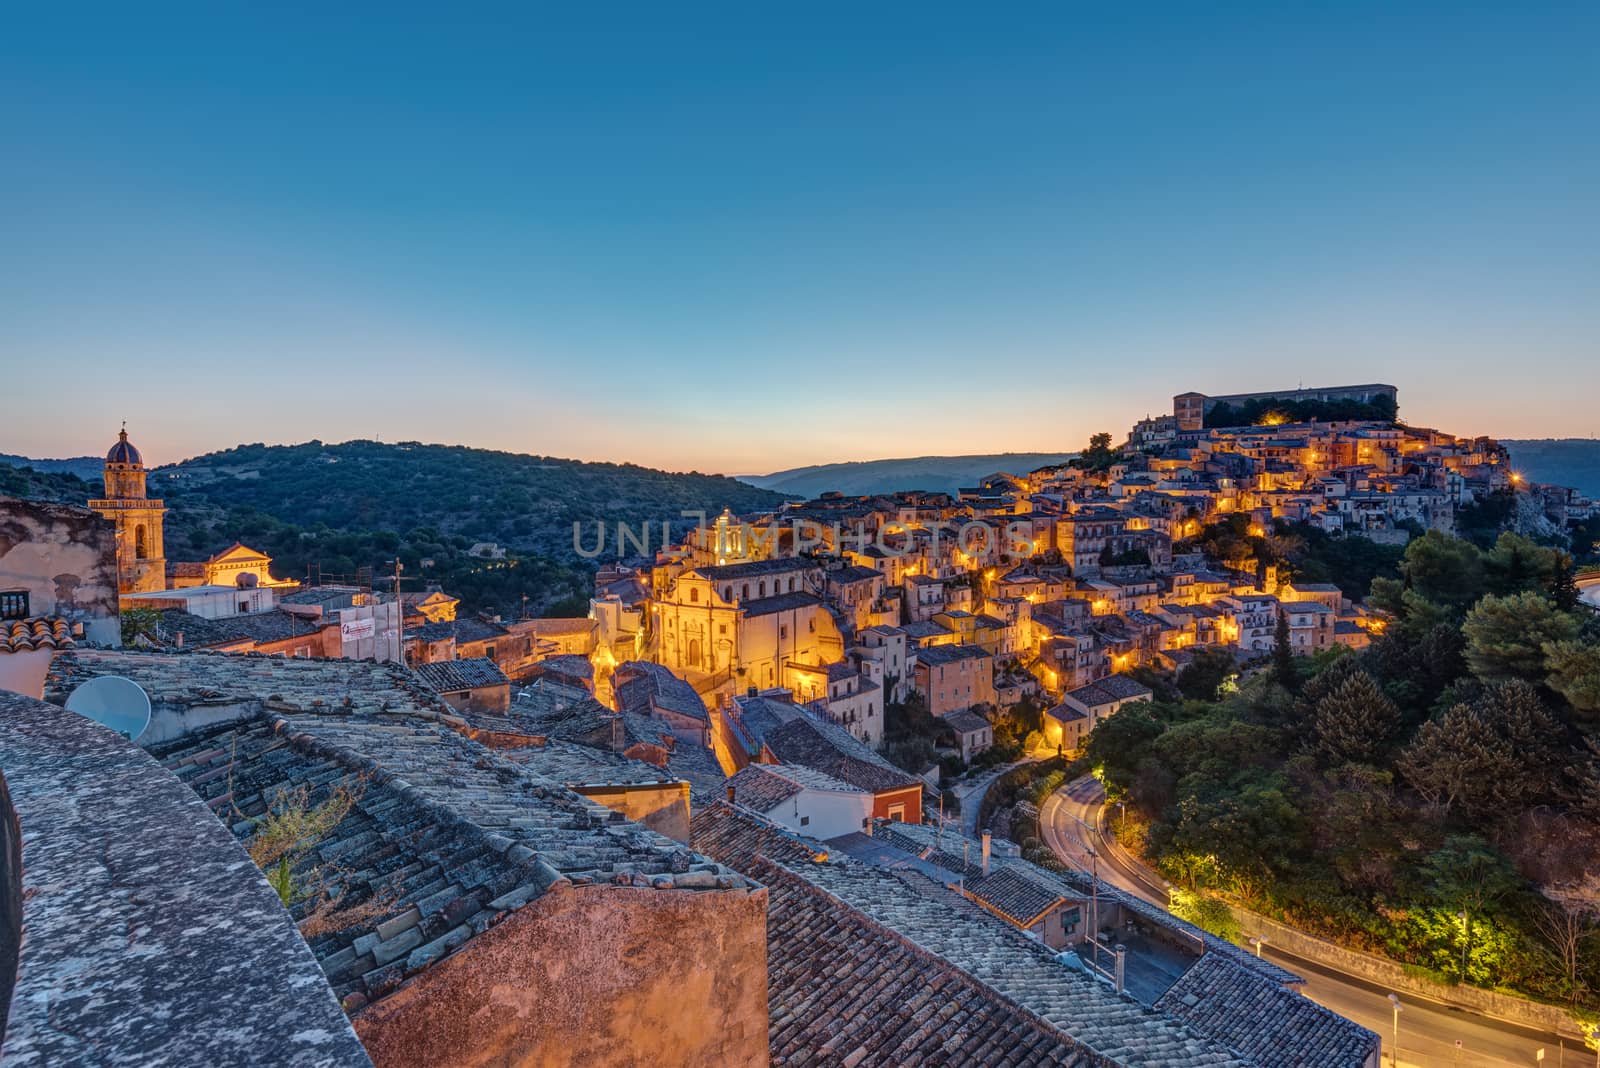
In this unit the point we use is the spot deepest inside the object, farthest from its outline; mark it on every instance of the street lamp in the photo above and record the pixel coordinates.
(1394, 1052)
(1258, 941)
(1466, 942)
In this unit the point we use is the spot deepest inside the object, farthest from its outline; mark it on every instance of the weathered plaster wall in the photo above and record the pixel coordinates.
(66, 558)
(601, 976)
(662, 807)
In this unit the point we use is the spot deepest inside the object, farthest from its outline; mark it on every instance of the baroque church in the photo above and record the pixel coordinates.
(141, 555)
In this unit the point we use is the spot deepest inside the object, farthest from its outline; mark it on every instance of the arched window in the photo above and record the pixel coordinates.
(694, 594)
(138, 542)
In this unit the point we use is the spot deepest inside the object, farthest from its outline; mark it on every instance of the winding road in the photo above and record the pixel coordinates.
(1431, 1032)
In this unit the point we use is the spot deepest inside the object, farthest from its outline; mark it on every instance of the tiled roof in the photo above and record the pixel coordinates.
(758, 715)
(1110, 689)
(199, 632)
(1017, 968)
(148, 939)
(844, 989)
(950, 654)
(567, 714)
(925, 629)
(835, 751)
(35, 632)
(448, 835)
(1013, 895)
(565, 625)
(783, 602)
(1066, 713)
(641, 686)
(1277, 1028)
(572, 665)
(1080, 883)
(453, 676)
(754, 568)
(761, 789)
(462, 630)
(854, 573)
(966, 722)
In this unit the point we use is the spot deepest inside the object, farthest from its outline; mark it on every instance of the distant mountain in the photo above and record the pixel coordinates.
(1563, 461)
(933, 473)
(86, 467)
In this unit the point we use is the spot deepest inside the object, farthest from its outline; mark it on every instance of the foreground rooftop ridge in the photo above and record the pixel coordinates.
(120, 959)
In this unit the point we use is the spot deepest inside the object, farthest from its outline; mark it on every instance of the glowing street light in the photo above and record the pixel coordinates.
(1394, 1051)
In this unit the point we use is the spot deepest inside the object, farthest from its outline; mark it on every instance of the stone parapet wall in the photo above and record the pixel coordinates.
(147, 933)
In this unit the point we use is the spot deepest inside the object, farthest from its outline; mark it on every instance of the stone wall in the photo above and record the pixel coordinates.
(66, 558)
(10, 898)
(147, 933)
(1388, 973)
(602, 975)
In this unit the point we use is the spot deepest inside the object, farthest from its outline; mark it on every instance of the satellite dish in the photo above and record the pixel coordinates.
(115, 702)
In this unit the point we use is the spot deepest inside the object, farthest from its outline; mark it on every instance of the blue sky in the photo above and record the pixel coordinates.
(738, 239)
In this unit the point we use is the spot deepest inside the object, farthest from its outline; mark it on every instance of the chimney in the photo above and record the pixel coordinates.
(1122, 963)
(986, 852)
(179, 640)
(730, 795)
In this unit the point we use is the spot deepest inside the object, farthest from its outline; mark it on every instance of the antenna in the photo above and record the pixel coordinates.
(114, 702)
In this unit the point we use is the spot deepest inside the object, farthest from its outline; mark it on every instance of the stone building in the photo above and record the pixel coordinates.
(141, 557)
(62, 561)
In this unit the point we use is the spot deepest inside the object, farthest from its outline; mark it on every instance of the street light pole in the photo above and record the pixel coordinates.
(1466, 942)
(1394, 1050)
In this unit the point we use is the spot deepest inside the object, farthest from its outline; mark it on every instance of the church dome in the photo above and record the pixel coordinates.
(123, 452)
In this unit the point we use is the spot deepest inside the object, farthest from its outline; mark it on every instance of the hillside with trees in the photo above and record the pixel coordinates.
(350, 510)
(1434, 798)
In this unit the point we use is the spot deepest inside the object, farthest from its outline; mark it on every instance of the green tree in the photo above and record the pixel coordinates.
(1517, 564)
(1506, 635)
(1283, 669)
(1203, 676)
(1099, 456)
(1492, 757)
(1444, 570)
(1468, 876)
(1575, 674)
(1119, 744)
(1354, 722)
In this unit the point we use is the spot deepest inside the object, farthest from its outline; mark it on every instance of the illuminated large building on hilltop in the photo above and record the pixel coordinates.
(1190, 409)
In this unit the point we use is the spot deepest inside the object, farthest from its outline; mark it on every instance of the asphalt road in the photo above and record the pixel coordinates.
(1429, 1031)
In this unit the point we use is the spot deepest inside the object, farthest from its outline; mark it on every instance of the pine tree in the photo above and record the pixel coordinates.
(1283, 668)
(1354, 722)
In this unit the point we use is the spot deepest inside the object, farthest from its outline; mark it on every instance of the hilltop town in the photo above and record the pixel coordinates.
(738, 802)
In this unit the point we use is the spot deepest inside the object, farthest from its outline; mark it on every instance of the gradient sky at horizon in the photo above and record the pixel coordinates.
(741, 238)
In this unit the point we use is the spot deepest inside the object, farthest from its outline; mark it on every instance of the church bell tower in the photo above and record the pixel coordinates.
(141, 559)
